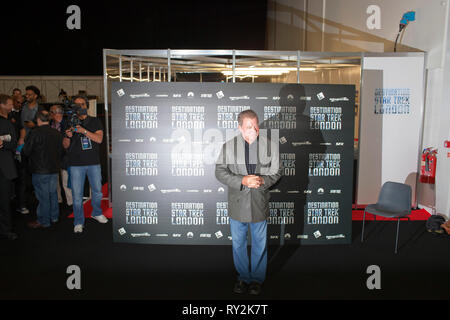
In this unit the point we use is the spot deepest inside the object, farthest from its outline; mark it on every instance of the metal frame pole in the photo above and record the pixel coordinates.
(131, 70)
(120, 68)
(361, 77)
(169, 76)
(105, 92)
(234, 65)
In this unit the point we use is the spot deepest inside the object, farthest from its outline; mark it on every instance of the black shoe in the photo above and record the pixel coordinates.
(254, 288)
(240, 287)
(36, 225)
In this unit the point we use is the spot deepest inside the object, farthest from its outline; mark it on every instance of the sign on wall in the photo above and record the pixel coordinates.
(166, 138)
(391, 123)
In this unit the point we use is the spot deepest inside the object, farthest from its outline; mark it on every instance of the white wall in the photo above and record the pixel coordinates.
(298, 25)
(443, 133)
(342, 25)
(50, 86)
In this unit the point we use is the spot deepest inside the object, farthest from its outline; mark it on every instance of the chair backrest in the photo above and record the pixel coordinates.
(395, 197)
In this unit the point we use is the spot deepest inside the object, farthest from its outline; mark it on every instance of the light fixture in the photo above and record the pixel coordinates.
(134, 79)
(259, 71)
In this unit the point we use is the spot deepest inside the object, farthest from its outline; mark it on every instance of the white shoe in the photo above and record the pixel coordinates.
(78, 228)
(100, 218)
(23, 210)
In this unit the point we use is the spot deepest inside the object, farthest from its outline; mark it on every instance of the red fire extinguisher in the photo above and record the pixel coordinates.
(428, 166)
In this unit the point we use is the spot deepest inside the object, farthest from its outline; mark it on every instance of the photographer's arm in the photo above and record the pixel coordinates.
(96, 136)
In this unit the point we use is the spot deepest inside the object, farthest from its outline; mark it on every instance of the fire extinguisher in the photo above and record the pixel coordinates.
(428, 166)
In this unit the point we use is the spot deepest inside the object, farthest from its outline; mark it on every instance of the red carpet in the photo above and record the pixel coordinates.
(421, 214)
(357, 214)
(107, 212)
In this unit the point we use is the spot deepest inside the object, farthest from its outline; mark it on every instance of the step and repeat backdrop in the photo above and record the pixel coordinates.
(166, 138)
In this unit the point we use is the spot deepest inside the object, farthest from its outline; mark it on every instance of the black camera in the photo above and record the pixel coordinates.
(73, 112)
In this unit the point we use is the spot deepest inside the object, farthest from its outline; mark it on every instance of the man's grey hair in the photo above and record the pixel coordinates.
(58, 108)
(247, 114)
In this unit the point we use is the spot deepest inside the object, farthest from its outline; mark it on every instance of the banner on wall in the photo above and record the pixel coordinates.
(391, 122)
(166, 138)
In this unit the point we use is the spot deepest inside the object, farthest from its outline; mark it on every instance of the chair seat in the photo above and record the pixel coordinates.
(374, 209)
(394, 201)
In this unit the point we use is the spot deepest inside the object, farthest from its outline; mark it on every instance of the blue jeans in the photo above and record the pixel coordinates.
(45, 188)
(257, 271)
(77, 178)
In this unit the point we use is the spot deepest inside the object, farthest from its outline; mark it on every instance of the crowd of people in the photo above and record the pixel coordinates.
(43, 153)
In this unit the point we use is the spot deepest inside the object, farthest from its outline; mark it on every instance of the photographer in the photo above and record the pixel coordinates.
(82, 142)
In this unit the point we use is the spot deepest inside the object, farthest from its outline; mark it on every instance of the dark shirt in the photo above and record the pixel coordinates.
(14, 117)
(82, 150)
(61, 127)
(251, 167)
(250, 158)
(7, 165)
(43, 146)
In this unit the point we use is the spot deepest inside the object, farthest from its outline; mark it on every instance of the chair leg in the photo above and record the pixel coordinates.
(396, 238)
(364, 220)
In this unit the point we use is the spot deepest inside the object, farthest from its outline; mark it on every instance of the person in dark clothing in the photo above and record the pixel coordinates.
(59, 123)
(18, 187)
(28, 122)
(8, 144)
(44, 148)
(83, 148)
(15, 114)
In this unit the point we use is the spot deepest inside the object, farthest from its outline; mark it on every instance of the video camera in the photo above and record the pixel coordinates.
(73, 112)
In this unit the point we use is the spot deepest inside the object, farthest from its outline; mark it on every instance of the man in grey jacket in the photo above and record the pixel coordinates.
(249, 165)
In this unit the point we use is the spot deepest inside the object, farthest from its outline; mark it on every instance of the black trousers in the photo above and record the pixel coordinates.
(5, 208)
(22, 184)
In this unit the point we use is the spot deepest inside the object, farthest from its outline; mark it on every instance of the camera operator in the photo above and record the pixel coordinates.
(82, 141)
(8, 143)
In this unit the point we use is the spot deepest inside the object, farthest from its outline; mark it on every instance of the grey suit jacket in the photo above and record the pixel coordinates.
(248, 204)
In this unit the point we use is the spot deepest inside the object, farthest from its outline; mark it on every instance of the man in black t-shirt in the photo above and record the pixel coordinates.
(83, 143)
